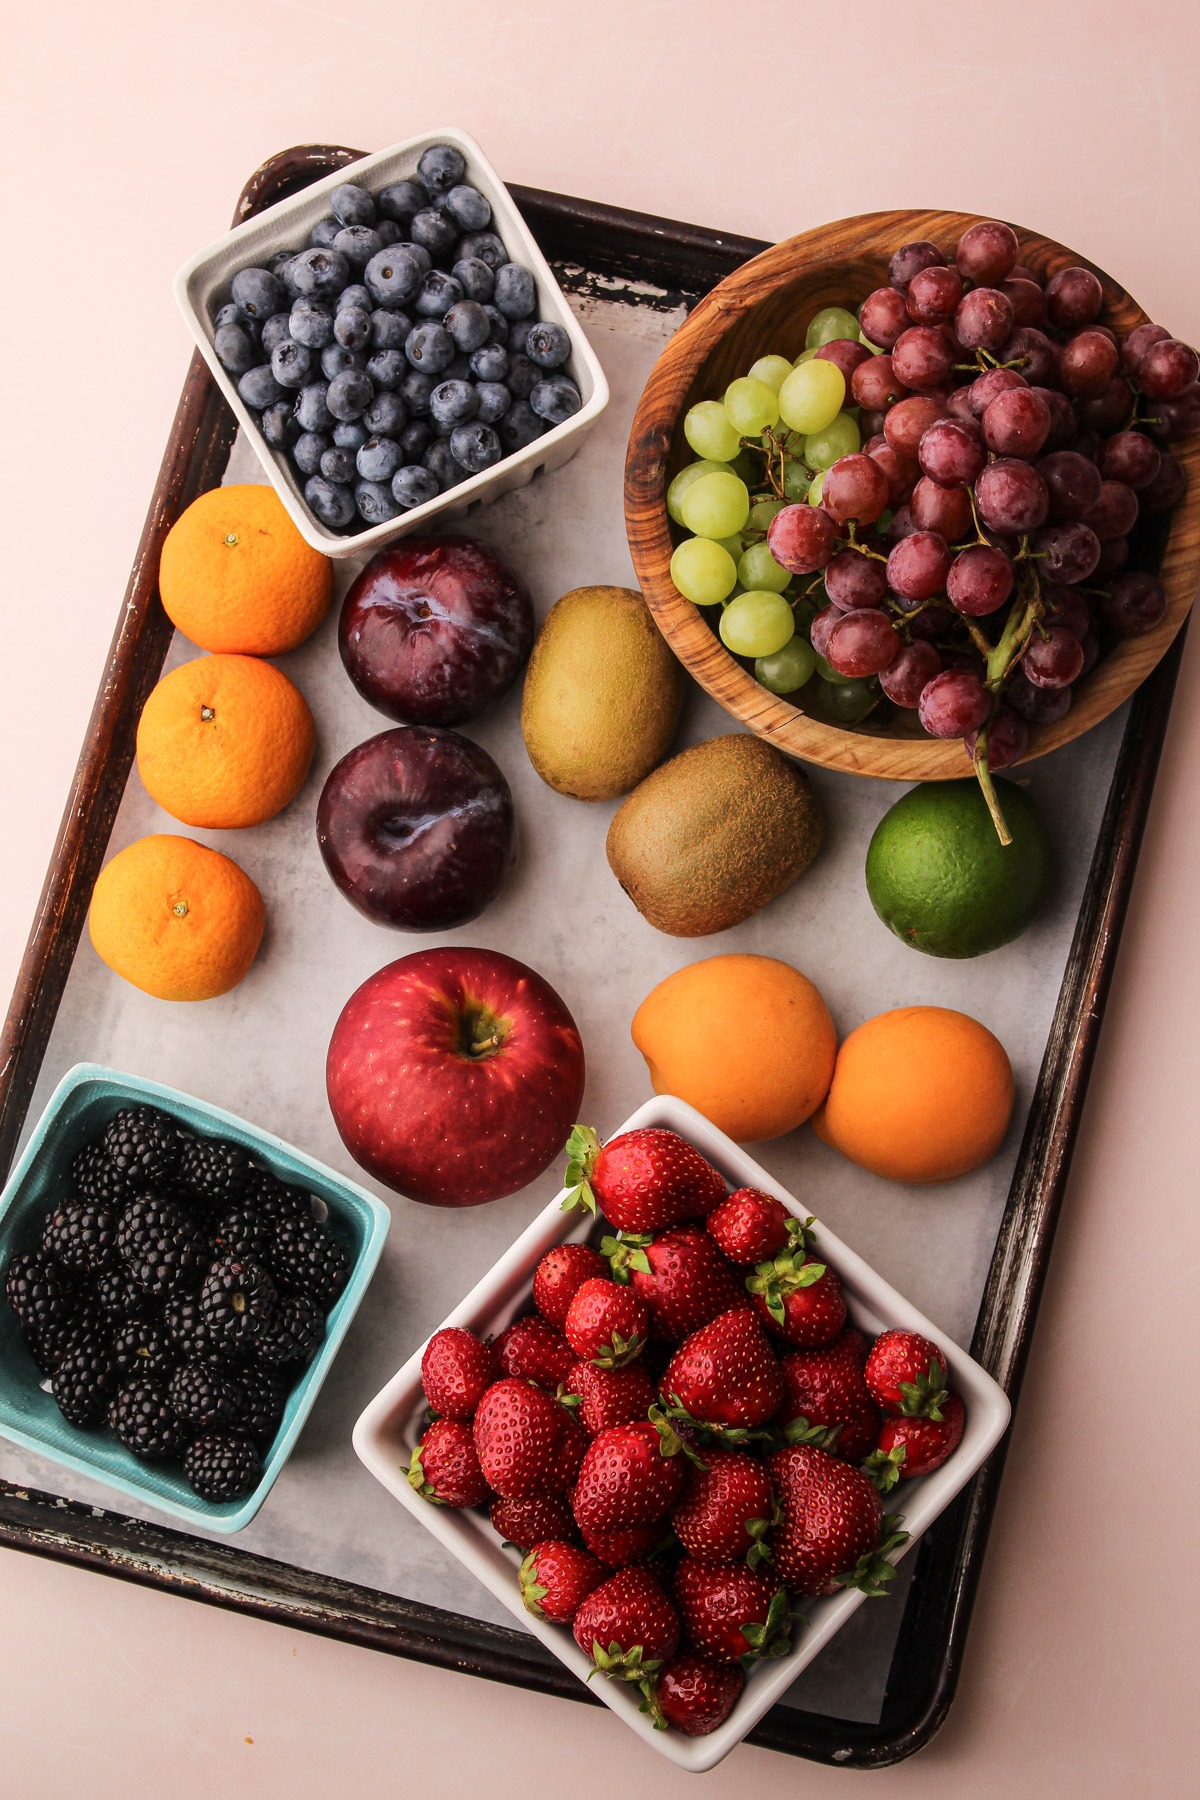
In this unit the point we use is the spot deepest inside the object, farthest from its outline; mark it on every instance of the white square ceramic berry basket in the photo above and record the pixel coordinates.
(389, 1427)
(202, 285)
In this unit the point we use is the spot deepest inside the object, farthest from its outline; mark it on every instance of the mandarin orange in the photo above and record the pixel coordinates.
(236, 576)
(179, 921)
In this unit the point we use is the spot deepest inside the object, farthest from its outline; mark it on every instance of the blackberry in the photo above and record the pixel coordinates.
(83, 1383)
(292, 1334)
(236, 1300)
(143, 1347)
(222, 1465)
(81, 1234)
(39, 1290)
(159, 1245)
(191, 1336)
(242, 1233)
(264, 1395)
(145, 1420)
(305, 1255)
(83, 1328)
(95, 1177)
(213, 1170)
(117, 1294)
(274, 1199)
(204, 1398)
(144, 1143)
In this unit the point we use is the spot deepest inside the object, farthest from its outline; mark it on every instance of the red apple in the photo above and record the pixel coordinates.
(455, 1075)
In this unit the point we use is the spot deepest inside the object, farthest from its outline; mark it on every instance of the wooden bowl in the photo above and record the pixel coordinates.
(765, 306)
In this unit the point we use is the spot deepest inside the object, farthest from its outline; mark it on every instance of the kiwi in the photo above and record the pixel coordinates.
(714, 834)
(602, 694)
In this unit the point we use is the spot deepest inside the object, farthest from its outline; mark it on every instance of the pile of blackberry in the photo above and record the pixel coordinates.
(178, 1291)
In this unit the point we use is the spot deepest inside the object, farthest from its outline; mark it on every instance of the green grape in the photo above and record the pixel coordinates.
(715, 506)
(830, 674)
(683, 482)
(704, 572)
(751, 405)
(804, 611)
(831, 322)
(805, 356)
(789, 668)
(797, 479)
(814, 489)
(707, 429)
(842, 438)
(774, 370)
(849, 701)
(757, 568)
(747, 467)
(812, 396)
(757, 623)
(875, 349)
(762, 512)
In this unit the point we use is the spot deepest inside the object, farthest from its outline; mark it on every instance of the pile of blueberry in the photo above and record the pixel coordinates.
(400, 352)
(176, 1294)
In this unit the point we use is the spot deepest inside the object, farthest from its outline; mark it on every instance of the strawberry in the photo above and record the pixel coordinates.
(724, 1376)
(533, 1350)
(696, 1694)
(907, 1374)
(799, 1298)
(915, 1446)
(680, 1275)
(832, 1533)
(606, 1324)
(625, 1544)
(629, 1628)
(445, 1468)
(642, 1180)
(572, 1448)
(560, 1272)
(752, 1227)
(518, 1432)
(610, 1396)
(457, 1370)
(826, 1400)
(733, 1613)
(630, 1476)
(727, 1508)
(526, 1522)
(556, 1578)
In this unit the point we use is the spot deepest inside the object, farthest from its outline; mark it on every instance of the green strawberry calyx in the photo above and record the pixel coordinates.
(703, 1431)
(924, 1397)
(756, 1530)
(619, 1352)
(627, 1251)
(873, 1573)
(884, 1467)
(632, 1666)
(784, 1275)
(416, 1478)
(583, 1147)
(533, 1592)
(670, 1441)
(800, 1431)
(774, 1636)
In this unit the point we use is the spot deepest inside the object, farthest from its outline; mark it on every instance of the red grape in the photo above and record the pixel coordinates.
(900, 470)
(1138, 603)
(958, 405)
(1063, 424)
(1008, 739)
(910, 670)
(853, 580)
(1070, 550)
(946, 510)
(1113, 557)
(874, 384)
(903, 524)
(984, 318)
(909, 420)
(1073, 483)
(1073, 298)
(1107, 411)
(989, 387)
(918, 565)
(908, 261)
(1026, 299)
(921, 358)
(1052, 660)
(1016, 423)
(927, 620)
(861, 644)
(1129, 456)
(1167, 489)
(801, 538)
(822, 624)
(1041, 706)
(953, 704)
(883, 316)
(855, 487)
(980, 581)
(1011, 496)
(1179, 418)
(1033, 353)
(1066, 606)
(1115, 512)
(846, 353)
(1138, 342)
(987, 252)
(1087, 364)
(1091, 653)
(951, 452)
(1166, 368)
(933, 294)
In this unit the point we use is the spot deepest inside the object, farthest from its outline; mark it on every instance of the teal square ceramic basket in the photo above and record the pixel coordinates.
(80, 1107)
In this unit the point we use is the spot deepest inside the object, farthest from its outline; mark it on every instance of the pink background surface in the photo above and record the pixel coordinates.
(127, 135)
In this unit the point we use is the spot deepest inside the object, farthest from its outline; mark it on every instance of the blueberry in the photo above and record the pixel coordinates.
(232, 314)
(476, 447)
(275, 329)
(414, 440)
(423, 258)
(355, 295)
(308, 450)
(490, 363)
(429, 347)
(287, 277)
(434, 231)
(458, 368)
(338, 465)
(501, 331)
(468, 208)
(235, 348)
(387, 369)
(352, 327)
(332, 505)
(519, 427)
(523, 376)
(401, 200)
(374, 502)
(349, 394)
(467, 323)
(386, 416)
(452, 402)
(378, 459)
(350, 434)
(311, 324)
(259, 388)
(516, 294)
(291, 363)
(555, 399)
(358, 244)
(438, 293)
(319, 273)
(486, 246)
(323, 233)
(352, 205)
(413, 486)
(393, 276)
(278, 425)
(442, 466)
(257, 293)
(312, 411)
(494, 401)
(547, 345)
(278, 263)
(389, 329)
(388, 232)
(335, 358)
(441, 167)
(474, 277)
(415, 390)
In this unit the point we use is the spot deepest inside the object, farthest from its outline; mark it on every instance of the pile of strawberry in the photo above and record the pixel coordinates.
(673, 1437)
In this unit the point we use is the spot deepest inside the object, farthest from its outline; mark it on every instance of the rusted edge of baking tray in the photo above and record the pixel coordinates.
(611, 254)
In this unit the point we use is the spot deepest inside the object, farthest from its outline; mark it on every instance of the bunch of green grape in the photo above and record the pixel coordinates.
(765, 445)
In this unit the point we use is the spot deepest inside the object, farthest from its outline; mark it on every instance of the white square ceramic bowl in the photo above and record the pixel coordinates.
(202, 285)
(389, 1427)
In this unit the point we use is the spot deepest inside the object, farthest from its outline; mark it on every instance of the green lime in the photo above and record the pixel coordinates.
(939, 877)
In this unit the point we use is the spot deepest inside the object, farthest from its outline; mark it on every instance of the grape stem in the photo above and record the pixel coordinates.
(984, 777)
(863, 549)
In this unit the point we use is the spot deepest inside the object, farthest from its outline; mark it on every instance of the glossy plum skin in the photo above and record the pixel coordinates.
(416, 827)
(434, 629)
